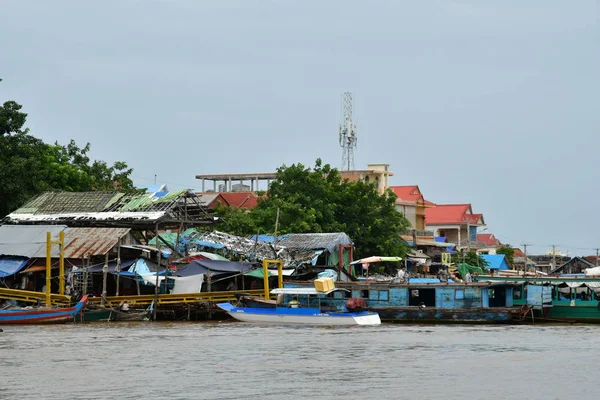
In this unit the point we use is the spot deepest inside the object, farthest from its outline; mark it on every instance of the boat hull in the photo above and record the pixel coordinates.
(94, 316)
(436, 315)
(299, 316)
(41, 316)
(130, 315)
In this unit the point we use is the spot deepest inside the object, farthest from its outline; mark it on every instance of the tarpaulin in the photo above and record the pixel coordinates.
(10, 265)
(213, 266)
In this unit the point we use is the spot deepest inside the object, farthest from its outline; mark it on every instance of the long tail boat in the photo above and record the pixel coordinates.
(41, 315)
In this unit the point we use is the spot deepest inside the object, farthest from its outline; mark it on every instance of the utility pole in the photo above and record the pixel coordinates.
(553, 256)
(525, 252)
(597, 257)
(468, 236)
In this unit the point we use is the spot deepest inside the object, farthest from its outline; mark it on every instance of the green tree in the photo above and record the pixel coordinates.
(319, 200)
(469, 257)
(508, 252)
(11, 118)
(236, 221)
(28, 166)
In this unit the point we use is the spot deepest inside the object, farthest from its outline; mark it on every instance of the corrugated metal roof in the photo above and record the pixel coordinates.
(92, 241)
(30, 240)
(26, 240)
(314, 241)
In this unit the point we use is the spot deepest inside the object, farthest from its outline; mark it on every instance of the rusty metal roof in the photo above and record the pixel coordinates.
(90, 241)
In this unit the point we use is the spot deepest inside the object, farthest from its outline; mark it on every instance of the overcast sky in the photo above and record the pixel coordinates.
(493, 103)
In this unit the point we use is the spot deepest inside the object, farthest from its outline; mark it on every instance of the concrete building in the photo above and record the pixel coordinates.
(377, 173)
(411, 203)
(456, 222)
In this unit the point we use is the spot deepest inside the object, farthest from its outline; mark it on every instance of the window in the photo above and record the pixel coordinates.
(365, 294)
(421, 297)
(384, 295)
(459, 294)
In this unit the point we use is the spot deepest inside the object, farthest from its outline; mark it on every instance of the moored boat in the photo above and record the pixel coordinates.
(555, 298)
(41, 315)
(305, 308)
(429, 300)
(93, 315)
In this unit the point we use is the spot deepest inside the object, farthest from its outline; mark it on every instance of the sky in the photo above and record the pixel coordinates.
(493, 103)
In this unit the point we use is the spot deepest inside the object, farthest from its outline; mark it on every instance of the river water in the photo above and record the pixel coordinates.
(232, 360)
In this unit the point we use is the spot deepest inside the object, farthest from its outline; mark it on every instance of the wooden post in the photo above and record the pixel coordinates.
(104, 275)
(137, 283)
(280, 274)
(157, 272)
(275, 234)
(118, 265)
(61, 263)
(48, 267)
(86, 263)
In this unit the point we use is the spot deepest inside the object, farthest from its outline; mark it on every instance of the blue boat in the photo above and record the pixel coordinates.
(41, 315)
(306, 307)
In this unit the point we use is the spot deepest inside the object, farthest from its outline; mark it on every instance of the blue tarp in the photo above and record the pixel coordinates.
(496, 261)
(426, 280)
(328, 273)
(214, 266)
(141, 267)
(10, 265)
(206, 244)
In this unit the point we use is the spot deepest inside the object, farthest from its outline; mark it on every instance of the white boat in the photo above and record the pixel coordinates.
(301, 312)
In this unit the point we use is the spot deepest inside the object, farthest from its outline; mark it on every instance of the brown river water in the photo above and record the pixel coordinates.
(232, 360)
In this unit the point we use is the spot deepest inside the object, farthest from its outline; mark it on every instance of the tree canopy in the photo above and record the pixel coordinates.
(29, 166)
(319, 200)
(469, 257)
(508, 252)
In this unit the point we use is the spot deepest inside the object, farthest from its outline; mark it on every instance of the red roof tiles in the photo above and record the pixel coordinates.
(592, 259)
(250, 203)
(452, 214)
(489, 239)
(407, 193)
(443, 214)
(236, 199)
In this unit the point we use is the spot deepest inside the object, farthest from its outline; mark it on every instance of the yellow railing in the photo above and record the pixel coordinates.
(184, 298)
(32, 297)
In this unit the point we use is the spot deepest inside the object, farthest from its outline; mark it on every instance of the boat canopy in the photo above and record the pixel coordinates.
(214, 267)
(304, 291)
(374, 259)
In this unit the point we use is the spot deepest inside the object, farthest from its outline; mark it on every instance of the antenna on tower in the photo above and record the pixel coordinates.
(348, 133)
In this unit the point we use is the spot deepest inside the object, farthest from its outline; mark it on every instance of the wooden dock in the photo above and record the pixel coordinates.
(111, 301)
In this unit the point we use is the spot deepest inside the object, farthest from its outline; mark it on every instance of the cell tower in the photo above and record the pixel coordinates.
(348, 133)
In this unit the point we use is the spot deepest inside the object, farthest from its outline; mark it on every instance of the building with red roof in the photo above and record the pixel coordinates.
(488, 239)
(456, 222)
(247, 200)
(411, 203)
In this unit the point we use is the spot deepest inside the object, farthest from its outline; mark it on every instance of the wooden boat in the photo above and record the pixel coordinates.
(41, 315)
(246, 300)
(555, 298)
(93, 315)
(300, 311)
(125, 314)
(428, 300)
